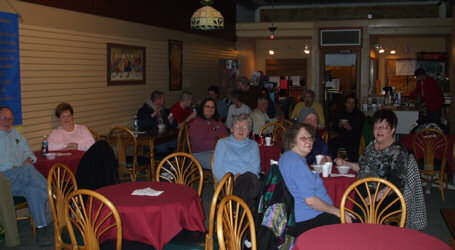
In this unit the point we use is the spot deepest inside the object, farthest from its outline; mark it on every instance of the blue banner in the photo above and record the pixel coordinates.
(10, 82)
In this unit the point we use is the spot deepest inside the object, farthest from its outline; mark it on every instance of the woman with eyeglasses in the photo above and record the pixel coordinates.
(313, 207)
(386, 158)
(204, 131)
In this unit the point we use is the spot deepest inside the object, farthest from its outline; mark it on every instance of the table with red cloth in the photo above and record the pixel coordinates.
(155, 220)
(408, 140)
(336, 186)
(366, 236)
(269, 153)
(70, 158)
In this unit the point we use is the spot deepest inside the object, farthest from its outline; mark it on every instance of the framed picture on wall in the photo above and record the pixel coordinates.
(125, 64)
(175, 65)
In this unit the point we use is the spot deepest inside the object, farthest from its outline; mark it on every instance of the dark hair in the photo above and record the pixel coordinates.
(215, 89)
(236, 94)
(63, 107)
(419, 72)
(349, 97)
(155, 95)
(309, 91)
(200, 110)
(6, 107)
(385, 115)
(290, 134)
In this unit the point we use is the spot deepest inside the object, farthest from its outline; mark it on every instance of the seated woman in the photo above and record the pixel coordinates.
(388, 159)
(69, 136)
(310, 116)
(204, 131)
(313, 207)
(237, 107)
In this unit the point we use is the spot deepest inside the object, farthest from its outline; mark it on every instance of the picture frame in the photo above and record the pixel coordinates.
(175, 65)
(126, 64)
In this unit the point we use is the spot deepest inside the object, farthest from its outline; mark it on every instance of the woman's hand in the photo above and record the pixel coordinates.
(326, 158)
(340, 162)
(348, 217)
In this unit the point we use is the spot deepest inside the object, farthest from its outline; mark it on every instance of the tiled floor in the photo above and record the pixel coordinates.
(436, 225)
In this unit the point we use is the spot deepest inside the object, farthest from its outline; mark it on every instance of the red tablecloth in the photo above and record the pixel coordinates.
(336, 186)
(407, 141)
(366, 236)
(155, 220)
(269, 153)
(44, 165)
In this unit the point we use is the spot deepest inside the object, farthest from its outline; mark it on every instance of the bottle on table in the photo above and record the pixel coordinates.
(44, 146)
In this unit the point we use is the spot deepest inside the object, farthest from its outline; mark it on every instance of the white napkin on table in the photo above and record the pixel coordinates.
(147, 191)
(342, 175)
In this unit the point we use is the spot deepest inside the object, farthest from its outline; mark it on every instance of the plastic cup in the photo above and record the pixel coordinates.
(319, 159)
(330, 164)
(325, 170)
(268, 141)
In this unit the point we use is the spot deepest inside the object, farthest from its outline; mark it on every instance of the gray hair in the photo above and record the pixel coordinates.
(241, 118)
(185, 95)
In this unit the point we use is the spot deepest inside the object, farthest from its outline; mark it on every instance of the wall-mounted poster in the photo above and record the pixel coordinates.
(125, 64)
(229, 70)
(175, 65)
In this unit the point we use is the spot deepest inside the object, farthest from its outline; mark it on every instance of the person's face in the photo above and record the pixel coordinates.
(383, 132)
(312, 120)
(263, 105)
(349, 105)
(304, 143)
(242, 86)
(66, 119)
(208, 109)
(240, 130)
(187, 103)
(6, 120)
(213, 95)
(308, 99)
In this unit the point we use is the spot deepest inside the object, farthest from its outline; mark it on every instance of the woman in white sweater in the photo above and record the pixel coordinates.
(237, 107)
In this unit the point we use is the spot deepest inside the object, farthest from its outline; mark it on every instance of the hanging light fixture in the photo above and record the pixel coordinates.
(307, 49)
(272, 32)
(207, 18)
(393, 51)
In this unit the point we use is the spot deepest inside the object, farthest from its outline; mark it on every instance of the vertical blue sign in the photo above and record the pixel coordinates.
(10, 84)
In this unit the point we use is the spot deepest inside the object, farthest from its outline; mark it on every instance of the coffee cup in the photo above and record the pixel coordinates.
(161, 127)
(325, 170)
(268, 141)
(319, 159)
(330, 164)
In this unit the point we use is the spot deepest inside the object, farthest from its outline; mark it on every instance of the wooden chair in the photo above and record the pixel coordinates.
(20, 203)
(181, 168)
(121, 139)
(285, 122)
(233, 219)
(60, 183)
(183, 141)
(276, 129)
(92, 215)
(94, 134)
(225, 188)
(431, 142)
(374, 209)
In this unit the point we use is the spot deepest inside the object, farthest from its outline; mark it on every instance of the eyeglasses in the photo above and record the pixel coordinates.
(6, 118)
(306, 139)
(383, 127)
(242, 127)
(209, 107)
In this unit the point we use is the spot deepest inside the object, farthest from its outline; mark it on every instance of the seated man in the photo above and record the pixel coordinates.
(310, 117)
(16, 164)
(154, 113)
(250, 94)
(259, 115)
(308, 101)
(182, 110)
(347, 129)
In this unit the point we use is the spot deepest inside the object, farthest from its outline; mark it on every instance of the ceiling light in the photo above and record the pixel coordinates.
(381, 50)
(271, 52)
(207, 18)
(307, 49)
(272, 32)
(393, 51)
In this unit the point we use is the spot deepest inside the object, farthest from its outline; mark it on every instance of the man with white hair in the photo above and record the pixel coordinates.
(182, 109)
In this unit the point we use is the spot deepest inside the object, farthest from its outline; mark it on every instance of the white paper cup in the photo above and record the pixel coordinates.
(319, 159)
(268, 141)
(325, 170)
(161, 127)
(330, 164)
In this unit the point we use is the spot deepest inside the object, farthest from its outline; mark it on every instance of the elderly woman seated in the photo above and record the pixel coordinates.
(310, 116)
(386, 158)
(239, 155)
(69, 136)
(204, 131)
(313, 207)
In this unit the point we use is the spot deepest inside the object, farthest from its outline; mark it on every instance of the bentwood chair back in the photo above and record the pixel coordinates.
(233, 220)
(60, 183)
(181, 168)
(285, 122)
(92, 215)
(378, 201)
(94, 134)
(275, 129)
(122, 139)
(431, 142)
(183, 141)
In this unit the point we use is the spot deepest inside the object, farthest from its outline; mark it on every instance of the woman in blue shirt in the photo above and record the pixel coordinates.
(313, 206)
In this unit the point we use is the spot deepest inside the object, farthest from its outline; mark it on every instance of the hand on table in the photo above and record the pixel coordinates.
(71, 146)
(28, 161)
(156, 112)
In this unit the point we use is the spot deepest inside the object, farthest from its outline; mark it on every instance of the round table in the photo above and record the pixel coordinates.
(336, 186)
(366, 236)
(155, 220)
(70, 158)
(268, 153)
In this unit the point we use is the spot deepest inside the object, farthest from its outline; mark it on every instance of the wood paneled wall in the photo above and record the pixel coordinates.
(65, 65)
